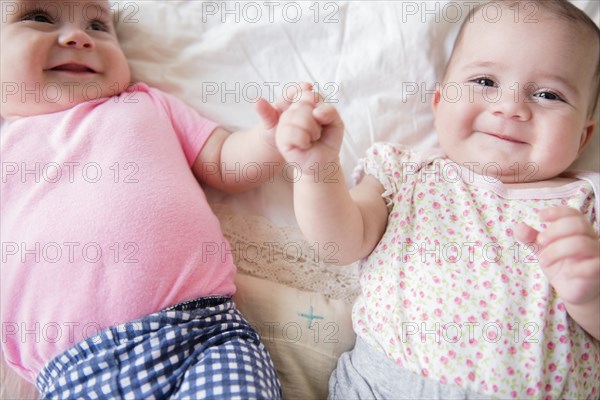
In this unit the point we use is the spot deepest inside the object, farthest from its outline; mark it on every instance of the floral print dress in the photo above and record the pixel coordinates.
(449, 294)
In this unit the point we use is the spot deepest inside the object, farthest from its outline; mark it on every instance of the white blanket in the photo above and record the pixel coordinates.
(377, 61)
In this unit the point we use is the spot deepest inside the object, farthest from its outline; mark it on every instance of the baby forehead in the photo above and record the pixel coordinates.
(56, 8)
(525, 13)
(500, 19)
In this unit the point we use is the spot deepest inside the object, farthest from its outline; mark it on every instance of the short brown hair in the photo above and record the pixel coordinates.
(560, 8)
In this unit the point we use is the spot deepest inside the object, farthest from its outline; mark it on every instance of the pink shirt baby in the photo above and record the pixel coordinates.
(103, 222)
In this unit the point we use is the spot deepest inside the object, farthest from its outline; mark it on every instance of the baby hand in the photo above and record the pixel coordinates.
(310, 133)
(270, 113)
(569, 254)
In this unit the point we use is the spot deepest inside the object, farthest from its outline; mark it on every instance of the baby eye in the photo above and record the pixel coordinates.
(98, 26)
(548, 96)
(38, 16)
(484, 82)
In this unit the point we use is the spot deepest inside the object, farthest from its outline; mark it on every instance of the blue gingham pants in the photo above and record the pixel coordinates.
(202, 348)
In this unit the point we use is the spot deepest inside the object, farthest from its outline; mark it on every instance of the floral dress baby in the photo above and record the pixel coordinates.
(449, 294)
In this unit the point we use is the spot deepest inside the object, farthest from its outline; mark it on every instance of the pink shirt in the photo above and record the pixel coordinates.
(103, 222)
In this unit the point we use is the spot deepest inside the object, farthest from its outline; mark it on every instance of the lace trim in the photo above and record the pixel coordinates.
(367, 166)
(282, 255)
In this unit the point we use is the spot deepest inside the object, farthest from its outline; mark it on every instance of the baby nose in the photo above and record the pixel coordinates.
(512, 108)
(75, 38)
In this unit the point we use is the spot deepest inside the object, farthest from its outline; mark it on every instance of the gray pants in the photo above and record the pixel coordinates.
(366, 373)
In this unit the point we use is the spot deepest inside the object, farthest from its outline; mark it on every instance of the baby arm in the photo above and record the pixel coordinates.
(225, 155)
(570, 257)
(310, 135)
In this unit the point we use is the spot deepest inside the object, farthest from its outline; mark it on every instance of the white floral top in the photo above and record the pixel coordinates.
(449, 294)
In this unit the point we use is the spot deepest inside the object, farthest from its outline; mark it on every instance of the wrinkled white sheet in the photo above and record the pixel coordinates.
(377, 61)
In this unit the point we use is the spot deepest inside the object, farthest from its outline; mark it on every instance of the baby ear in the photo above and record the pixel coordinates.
(435, 101)
(587, 133)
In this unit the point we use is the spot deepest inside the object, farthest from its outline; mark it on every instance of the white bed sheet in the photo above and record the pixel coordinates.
(377, 61)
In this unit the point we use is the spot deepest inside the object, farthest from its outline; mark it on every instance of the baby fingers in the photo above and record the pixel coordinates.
(292, 95)
(572, 248)
(297, 129)
(564, 224)
(525, 233)
(326, 114)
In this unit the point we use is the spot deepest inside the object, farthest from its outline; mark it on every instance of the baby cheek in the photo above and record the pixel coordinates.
(119, 79)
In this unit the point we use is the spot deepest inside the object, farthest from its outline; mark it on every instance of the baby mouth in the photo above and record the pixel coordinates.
(72, 67)
(504, 137)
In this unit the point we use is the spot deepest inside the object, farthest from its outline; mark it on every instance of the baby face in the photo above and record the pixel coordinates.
(56, 54)
(515, 101)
